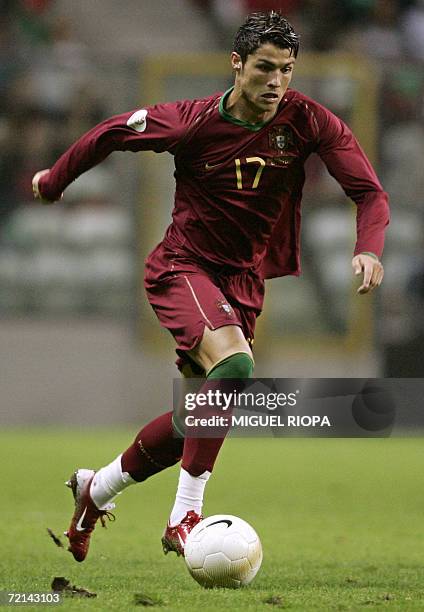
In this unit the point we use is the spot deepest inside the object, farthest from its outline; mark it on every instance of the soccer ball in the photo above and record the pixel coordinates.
(223, 551)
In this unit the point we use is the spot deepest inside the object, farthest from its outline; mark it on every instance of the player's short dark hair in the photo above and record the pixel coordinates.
(260, 28)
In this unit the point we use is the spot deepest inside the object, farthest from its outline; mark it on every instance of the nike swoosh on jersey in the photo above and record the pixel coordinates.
(209, 166)
(79, 526)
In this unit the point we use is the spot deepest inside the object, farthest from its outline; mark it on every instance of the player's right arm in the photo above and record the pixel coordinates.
(36, 189)
(156, 128)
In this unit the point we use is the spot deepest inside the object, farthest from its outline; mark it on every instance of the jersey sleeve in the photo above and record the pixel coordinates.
(153, 128)
(348, 164)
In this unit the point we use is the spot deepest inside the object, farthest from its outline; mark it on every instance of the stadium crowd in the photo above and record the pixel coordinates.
(47, 100)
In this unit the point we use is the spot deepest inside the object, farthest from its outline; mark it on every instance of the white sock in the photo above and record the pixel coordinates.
(189, 495)
(108, 482)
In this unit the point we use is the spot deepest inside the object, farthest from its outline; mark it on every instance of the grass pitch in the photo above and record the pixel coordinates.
(341, 523)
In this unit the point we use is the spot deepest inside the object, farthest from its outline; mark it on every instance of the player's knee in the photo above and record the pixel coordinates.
(237, 365)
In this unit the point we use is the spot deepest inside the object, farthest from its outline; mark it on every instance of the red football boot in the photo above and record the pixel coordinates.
(85, 516)
(174, 538)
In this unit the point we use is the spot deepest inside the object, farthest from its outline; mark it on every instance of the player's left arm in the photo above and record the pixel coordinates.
(372, 269)
(348, 164)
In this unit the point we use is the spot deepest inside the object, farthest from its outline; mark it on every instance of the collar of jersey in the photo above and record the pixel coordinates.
(254, 127)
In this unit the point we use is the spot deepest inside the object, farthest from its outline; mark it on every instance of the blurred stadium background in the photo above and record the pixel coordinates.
(78, 342)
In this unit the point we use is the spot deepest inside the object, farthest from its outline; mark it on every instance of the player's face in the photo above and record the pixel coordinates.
(263, 78)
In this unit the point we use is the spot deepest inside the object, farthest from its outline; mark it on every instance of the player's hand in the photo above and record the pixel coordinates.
(36, 190)
(372, 270)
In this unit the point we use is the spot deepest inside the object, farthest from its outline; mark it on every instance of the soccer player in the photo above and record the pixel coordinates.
(239, 160)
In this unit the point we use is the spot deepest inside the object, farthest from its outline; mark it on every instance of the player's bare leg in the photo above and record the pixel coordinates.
(223, 353)
(218, 344)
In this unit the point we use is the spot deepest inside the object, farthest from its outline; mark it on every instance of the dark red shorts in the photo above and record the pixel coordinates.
(186, 295)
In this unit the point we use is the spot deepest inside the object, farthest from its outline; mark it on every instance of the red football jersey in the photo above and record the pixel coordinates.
(238, 186)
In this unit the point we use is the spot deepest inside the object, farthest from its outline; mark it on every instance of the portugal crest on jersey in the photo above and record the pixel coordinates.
(281, 138)
(224, 306)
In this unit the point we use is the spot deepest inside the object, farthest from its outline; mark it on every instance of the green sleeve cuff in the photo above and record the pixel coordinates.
(370, 254)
